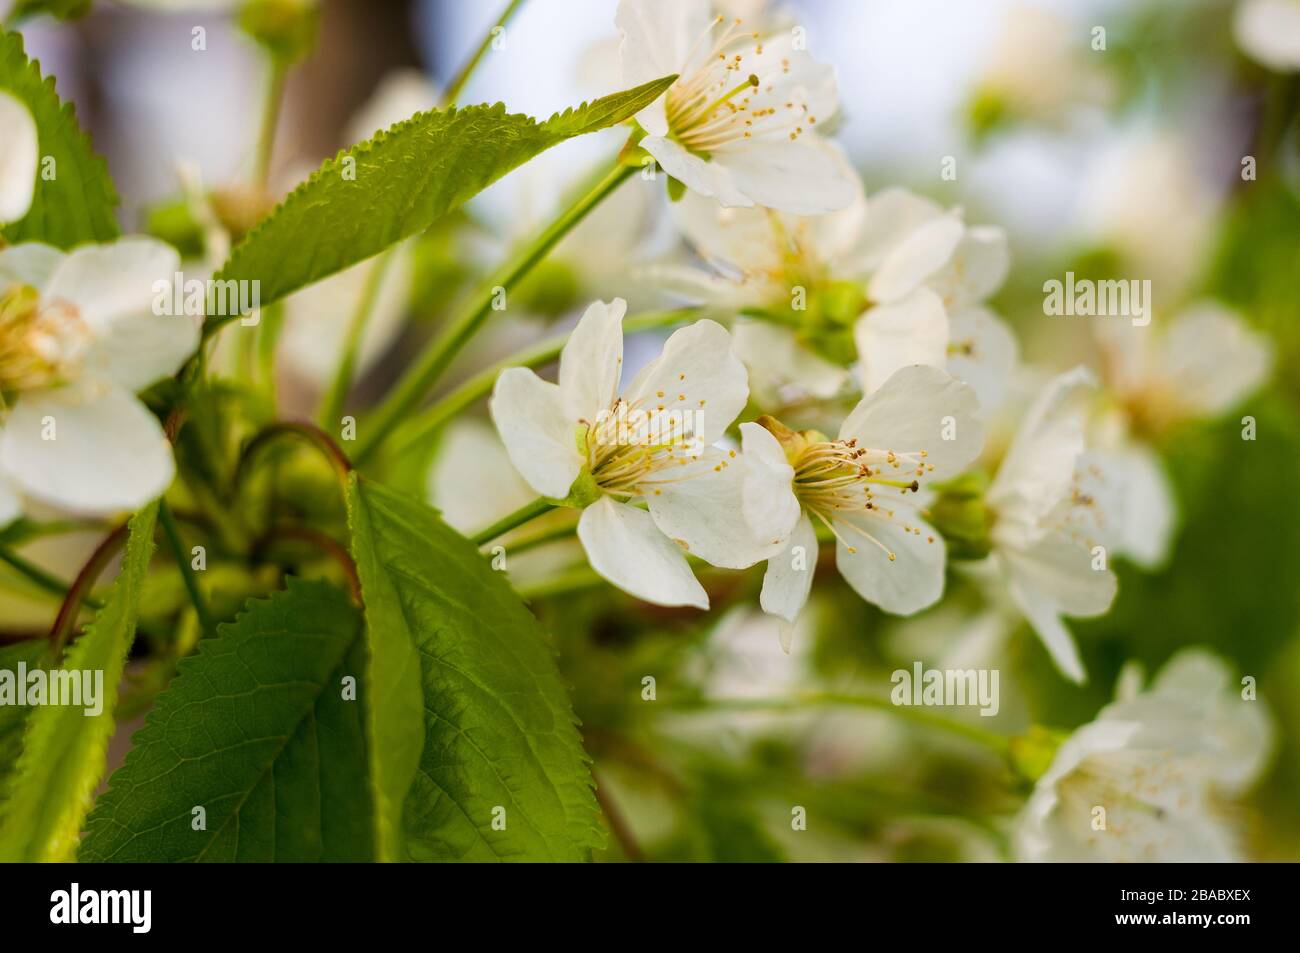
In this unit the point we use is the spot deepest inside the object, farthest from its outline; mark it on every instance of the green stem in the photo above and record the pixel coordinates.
(186, 569)
(419, 379)
(44, 580)
(467, 70)
(990, 739)
(332, 405)
(430, 420)
(518, 518)
(270, 119)
(549, 535)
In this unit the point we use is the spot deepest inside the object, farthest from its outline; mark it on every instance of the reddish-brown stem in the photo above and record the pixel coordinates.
(327, 543)
(81, 587)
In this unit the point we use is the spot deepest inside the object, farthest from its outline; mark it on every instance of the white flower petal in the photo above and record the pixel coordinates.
(698, 506)
(699, 286)
(472, 481)
(789, 575)
(28, 264)
(916, 259)
(657, 38)
(1059, 568)
(141, 349)
(787, 175)
(1269, 32)
(697, 375)
(19, 157)
(775, 359)
(109, 454)
(1036, 472)
(978, 267)
(982, 351)
(697, 174)
(915, 410)
(892, 215)
(625, 546)
(768, 500)
(913, 330)
(1045, 619)
(910, 581)
(107, 282)
(743, 239)
(1133, 496)
(591, 364)
(540, 439)
(1212, 360)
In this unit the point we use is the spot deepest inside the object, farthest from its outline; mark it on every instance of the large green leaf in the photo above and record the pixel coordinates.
(255, 729)
(472, 719)
(64, 748)
(13, 717)
(402, 181)
(76, 203)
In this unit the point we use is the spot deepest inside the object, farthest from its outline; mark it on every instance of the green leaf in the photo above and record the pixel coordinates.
(255, 730)
(59, 9)
(75, 205)
(474, 717)
(401, 182)
(13, 717)
(64, 748)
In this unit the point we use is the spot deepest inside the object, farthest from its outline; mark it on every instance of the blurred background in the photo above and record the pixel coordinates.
(1110, 162)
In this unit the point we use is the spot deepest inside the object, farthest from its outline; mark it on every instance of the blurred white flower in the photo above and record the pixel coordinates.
(919, 426)
(1268, 31)
(1202, 364)
(1155, 764)
(1046, 520)
(79, 335)
(1146, 199)
(739, 124)
(898, 273)
(471, 454)
(19, 156)
(654, 443)
(1040, 66)
(929, 273)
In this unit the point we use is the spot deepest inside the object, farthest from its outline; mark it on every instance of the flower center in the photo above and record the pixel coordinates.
(632, 447)
(727, 92)
(40, 343)
(837, 478)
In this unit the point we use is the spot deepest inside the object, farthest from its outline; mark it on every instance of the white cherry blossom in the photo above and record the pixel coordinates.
(862, 486)
(1157, 763)
(78, 337)
(894, 280)
(1205, 362)
(929, 275)
(740, 123)
(653, 444)
(1047, 515)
